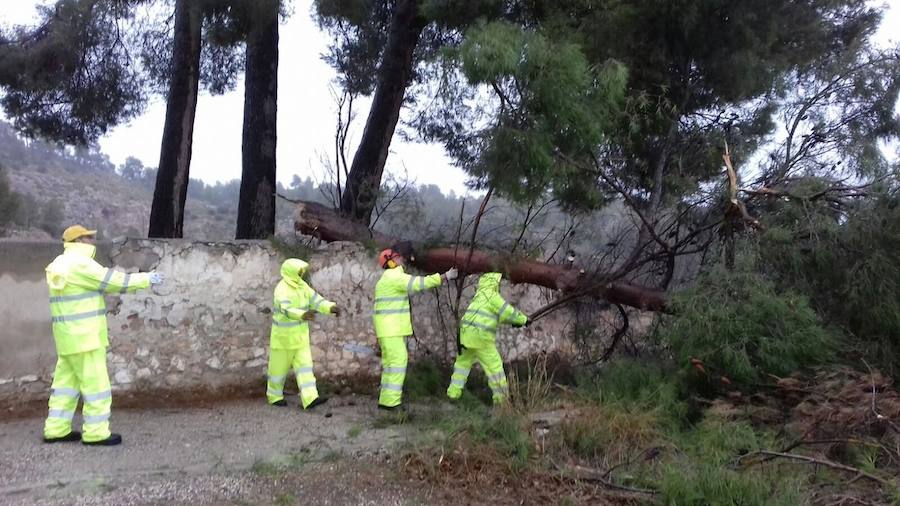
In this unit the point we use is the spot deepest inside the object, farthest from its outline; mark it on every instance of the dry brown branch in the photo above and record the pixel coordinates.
(598, 476)
(823, 462)
(735, 205)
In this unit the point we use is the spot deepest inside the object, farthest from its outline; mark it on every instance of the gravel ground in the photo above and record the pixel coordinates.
(240, 452)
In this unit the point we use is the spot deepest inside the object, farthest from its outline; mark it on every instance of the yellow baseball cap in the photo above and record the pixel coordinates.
(76, 231)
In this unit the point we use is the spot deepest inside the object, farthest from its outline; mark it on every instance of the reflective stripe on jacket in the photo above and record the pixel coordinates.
(391, 314)
(487, 310)
(293, 297)
(77, 308)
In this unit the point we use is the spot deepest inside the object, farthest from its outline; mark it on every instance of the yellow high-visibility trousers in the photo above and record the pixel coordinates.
(85, 375)
(393, 370)
(281, 362)
(491, 363)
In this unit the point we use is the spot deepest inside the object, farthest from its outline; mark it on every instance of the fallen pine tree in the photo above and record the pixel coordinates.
(322, 222)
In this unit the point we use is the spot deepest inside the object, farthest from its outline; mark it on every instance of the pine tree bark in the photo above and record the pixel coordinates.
(167, 211)
(256, 208)
(364, 179)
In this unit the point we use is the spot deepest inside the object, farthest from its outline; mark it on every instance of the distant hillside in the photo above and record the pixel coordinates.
(60, 186)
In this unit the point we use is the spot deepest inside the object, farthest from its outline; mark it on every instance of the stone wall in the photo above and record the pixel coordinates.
(208, 325)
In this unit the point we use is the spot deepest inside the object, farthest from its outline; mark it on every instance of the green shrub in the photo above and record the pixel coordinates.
(741, 328)
(847, 265)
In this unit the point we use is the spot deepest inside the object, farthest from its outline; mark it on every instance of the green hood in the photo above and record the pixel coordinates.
(489, 282)
(293, 269)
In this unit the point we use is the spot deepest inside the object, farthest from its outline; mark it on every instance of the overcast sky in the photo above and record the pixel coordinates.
(306, 113)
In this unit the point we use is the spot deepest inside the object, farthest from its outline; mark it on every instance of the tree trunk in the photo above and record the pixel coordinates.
(364, 179)
(256, 208)
(167, 212)
(319, 221)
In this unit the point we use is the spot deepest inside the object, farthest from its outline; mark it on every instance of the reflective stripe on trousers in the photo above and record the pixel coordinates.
(298, 361)
(393, 370)
(84, 375)
(491, 363)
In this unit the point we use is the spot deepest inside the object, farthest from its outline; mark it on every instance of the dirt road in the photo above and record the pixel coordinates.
(240, 452)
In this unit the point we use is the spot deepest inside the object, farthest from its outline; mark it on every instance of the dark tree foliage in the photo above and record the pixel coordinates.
(699, 72)
(840, 248)
(71, 78)
(222, 39)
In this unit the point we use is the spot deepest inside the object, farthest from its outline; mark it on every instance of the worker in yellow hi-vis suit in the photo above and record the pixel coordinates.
(78, 313)
(392, 319)
(478, 336)
(295, 304)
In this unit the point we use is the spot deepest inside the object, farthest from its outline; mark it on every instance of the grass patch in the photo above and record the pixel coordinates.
(635, 386)
(703, 472)
(386, 419)
(529, 389)
(611, 435)
(333, 456)
(285, 500)
(264, 468)
(476, 428)
(282, 464)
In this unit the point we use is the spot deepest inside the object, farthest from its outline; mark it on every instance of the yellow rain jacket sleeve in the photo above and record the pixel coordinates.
(391, 315)
(77, 307)
(294, 298)
(487, 310)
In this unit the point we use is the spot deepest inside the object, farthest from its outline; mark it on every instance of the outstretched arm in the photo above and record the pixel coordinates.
(507, 313)
(416, 284)
(319, 304)
(94, 276)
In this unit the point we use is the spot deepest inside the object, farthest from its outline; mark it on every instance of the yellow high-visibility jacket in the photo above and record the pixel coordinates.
(293, 298)
(77, 307)
(391, 316)
(478, 327)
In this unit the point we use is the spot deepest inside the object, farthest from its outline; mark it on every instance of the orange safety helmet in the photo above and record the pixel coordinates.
(386, 256)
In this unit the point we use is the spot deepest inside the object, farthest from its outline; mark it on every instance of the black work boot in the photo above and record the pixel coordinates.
(72, 436)
(316, 402)
(112, 440)
(280, 403)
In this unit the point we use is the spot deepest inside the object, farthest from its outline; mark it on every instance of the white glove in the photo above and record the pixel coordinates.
(157, 278)
(451, 273)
